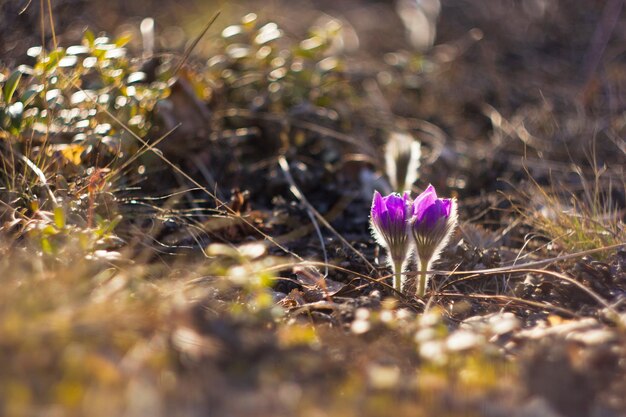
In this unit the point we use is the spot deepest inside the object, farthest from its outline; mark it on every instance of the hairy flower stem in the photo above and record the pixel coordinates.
(397, 276)
(421, 289)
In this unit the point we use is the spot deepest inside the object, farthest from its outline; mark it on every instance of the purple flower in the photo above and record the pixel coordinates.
(428, 210)
(390, 221)
(433, 221)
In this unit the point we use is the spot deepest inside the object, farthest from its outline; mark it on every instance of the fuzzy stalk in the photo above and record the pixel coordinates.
(423, 278)
(397, 275)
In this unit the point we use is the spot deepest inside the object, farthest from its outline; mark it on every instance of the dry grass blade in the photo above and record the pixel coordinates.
(26, 6)
(334, 212)
(54, 36)
(614, 314)
(501, 125)
(508, 299)
(367, 149)
(544, 262)
(179, 171)
(37, 171)
(294, 189)
(380, 280)
(144, 148)
(195, 42)
(310, 210)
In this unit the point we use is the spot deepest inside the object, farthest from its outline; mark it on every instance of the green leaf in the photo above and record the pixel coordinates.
(59, 217)
(28, 96)
(48, 230)
(46, 246)
(123, 40)
(15, 112)
(11, 85)
(113, 224)
(52, 60)
(89, 38)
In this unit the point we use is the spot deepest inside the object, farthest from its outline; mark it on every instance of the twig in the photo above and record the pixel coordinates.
(54, 36)
(195, 43)
(207, 175)
(513, 268)
(285, 166)
(309, 208)
(39, 173)
(510, 299)
(150, 147)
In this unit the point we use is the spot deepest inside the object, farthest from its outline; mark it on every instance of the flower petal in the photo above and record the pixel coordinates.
(434, 213)
(447, 206)
(389, 217)
(378, 206)
(423, 201)
(396, 207)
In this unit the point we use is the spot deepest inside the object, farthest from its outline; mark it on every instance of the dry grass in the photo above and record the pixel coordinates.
(579, 217)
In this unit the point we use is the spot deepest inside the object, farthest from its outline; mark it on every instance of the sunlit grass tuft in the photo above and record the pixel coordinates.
(577, 218)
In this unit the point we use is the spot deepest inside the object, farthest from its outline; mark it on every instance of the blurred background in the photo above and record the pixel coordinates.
(534, 58)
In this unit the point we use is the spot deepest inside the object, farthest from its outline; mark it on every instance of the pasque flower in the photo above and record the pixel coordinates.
(390, 223)
(402, 160)
(432, 223)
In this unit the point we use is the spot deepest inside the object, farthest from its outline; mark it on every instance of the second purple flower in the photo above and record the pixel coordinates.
(432, 224)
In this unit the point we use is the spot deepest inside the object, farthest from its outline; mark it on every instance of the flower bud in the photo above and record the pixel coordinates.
(432, 224)
(390, 221)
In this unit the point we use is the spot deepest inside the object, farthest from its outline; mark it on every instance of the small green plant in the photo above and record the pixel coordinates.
(67, 124)
(255, 62)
